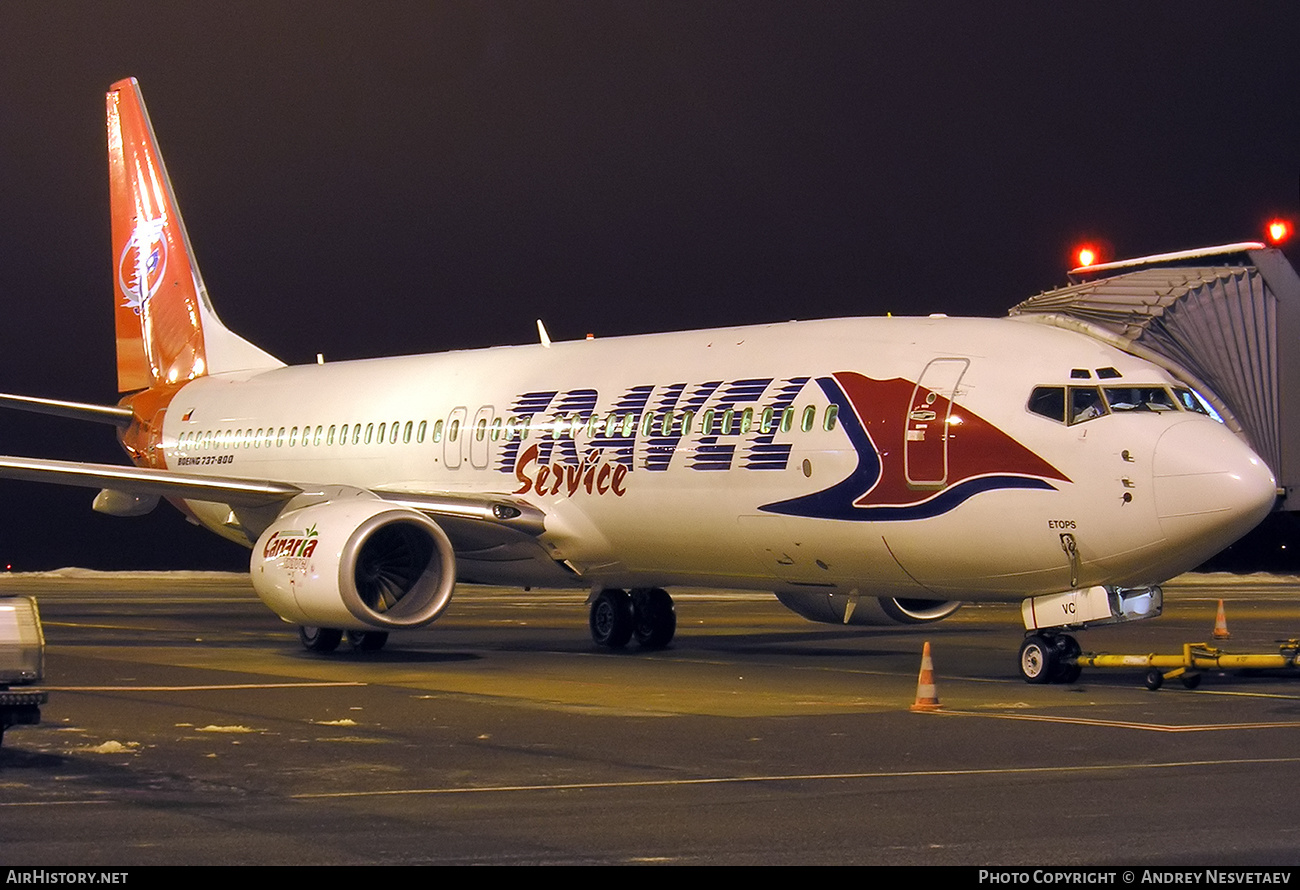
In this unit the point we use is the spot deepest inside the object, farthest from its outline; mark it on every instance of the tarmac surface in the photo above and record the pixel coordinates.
(186, 726)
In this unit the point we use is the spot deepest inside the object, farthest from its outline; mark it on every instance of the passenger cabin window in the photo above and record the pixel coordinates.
(832, 412)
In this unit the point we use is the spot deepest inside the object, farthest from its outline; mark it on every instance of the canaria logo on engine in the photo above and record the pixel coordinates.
(291, 544)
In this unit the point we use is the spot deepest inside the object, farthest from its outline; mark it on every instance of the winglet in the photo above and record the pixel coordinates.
(541, 333)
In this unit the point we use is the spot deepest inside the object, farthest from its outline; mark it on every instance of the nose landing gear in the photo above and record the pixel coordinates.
(1049, 654)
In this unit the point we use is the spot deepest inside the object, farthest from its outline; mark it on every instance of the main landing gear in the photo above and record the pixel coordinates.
(327, 639)
(1050, 658)
(646, 613)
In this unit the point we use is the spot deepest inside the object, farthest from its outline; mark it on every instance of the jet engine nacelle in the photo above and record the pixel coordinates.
(837, 608)
(355, 563)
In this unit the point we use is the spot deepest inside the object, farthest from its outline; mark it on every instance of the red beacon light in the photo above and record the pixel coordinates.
(1279, 230)
(1086, 255)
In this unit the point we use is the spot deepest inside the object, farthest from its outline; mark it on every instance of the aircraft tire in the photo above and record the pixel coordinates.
(655, 618)
(611, 618)
(1037, 659)
(367, 640)
(320, 639)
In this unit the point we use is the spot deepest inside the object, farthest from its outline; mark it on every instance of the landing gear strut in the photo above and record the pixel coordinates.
(646, 613)
(1050, 658)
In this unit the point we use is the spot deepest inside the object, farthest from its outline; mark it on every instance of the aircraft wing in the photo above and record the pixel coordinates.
(144, 481)
(475, 522)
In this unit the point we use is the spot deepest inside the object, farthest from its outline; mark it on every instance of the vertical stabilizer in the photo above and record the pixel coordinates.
(167, 331)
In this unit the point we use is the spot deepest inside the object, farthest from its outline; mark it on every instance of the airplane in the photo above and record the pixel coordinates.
(867, 471)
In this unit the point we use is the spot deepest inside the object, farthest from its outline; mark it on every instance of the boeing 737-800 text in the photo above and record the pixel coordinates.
(866, 470)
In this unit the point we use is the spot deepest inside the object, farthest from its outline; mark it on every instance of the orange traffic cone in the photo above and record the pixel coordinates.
(1221, 624)
(927, 698)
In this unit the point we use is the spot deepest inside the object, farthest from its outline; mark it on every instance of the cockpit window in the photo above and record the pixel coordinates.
(1139, 398)
(1076, 404)
(1085, 404)
(1191, 402)
(1049, 401)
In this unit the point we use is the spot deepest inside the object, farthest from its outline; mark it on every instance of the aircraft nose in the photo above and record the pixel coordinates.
(1210, 487)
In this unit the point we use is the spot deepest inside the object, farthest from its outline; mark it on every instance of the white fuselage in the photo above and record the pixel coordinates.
(969, 501)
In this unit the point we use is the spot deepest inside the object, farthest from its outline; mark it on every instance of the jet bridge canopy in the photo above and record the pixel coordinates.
(1224, 320)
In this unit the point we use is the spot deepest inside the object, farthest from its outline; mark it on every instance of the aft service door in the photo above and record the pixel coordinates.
(925, 452)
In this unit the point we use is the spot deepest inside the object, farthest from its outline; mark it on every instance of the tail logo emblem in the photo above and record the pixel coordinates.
(142, 264)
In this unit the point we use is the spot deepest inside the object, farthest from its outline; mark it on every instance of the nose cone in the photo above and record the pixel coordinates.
(1210, 487)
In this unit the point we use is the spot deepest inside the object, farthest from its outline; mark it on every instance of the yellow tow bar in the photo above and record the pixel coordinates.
(1196, 657)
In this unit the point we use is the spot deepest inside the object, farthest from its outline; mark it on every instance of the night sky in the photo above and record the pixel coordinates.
(378, 178)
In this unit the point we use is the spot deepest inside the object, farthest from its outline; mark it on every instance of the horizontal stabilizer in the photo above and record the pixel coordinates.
(114, 414)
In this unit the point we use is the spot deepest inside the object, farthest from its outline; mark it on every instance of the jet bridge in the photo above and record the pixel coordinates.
(1224, 320)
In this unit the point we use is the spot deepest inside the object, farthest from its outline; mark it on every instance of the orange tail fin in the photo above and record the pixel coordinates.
(167, 330)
